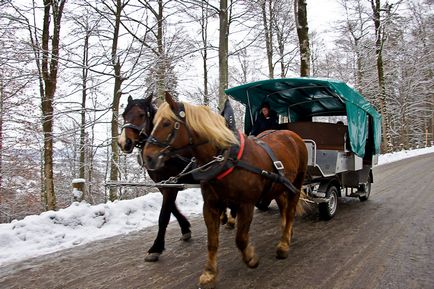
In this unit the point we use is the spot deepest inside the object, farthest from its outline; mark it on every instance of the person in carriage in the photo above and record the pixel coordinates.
(267, 119)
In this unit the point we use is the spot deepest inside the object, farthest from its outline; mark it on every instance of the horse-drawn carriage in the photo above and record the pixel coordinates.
(181, 140)
(340, 155)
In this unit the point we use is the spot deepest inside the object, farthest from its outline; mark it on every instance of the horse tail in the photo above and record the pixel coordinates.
(302, 203)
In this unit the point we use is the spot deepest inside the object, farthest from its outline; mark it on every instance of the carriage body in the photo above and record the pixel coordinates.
(341, 155)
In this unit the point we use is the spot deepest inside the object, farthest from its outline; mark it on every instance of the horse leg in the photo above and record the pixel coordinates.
(211, 216)
(287, 221)
(183, 223)
(244, 217)
(282, 203)
(169, 197)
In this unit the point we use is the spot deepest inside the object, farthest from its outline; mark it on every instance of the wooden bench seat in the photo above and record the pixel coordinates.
(327, 136)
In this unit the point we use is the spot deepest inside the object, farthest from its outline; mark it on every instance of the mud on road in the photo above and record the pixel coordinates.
(386, 242)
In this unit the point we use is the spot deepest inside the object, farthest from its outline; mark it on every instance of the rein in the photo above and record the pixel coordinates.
(184, 172)
(143, 136)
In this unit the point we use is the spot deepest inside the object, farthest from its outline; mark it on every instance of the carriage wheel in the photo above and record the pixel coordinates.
(367, 189)
(328, 210)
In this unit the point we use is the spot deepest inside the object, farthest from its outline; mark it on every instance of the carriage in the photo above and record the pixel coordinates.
(342, 152)
(329, 159)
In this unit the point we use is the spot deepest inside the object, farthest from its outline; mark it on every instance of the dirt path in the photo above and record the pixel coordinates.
(386, 242)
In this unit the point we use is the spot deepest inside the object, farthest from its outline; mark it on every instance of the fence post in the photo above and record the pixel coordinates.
(78, 189)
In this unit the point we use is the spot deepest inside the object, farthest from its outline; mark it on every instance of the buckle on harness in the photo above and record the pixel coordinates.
(278, 165)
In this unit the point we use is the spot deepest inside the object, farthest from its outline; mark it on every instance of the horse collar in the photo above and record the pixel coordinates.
(239, 156)
(219, 170)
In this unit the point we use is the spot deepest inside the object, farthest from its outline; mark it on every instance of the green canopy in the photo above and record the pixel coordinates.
(302, 98)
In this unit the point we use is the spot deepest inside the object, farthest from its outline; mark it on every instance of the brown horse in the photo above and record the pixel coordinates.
(181, 125)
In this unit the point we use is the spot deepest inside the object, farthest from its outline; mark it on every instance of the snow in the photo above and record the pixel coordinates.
(81, 223)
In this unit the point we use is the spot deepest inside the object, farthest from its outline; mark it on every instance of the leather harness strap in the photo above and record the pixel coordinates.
(239, 155)
(278, 178)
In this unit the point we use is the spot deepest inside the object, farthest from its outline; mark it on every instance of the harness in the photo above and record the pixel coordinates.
(232, 158)
(222, 164)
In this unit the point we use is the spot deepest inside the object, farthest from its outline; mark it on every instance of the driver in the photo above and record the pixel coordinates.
(267, 119)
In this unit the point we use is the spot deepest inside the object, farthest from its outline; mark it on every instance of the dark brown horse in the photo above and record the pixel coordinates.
(138, 116)
(180, 125)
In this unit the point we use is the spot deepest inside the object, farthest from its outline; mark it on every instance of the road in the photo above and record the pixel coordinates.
(386, 242)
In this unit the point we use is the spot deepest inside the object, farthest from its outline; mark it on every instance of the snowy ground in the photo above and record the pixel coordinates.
(82, 223)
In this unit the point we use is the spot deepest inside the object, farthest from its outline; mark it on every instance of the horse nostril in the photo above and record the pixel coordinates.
(128, 145)
(149, 159)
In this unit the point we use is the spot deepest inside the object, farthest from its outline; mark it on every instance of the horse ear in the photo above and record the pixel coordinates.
(148, 100)
(130, 98)
(172, 103)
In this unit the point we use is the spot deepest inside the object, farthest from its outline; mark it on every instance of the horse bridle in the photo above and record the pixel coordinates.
(167, 145)
(141, 130)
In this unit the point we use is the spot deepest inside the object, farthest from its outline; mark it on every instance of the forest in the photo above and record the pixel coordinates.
(68, 67)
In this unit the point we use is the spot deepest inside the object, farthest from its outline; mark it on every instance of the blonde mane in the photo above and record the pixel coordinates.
(204, 122)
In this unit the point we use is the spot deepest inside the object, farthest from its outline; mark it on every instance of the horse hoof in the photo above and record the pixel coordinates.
(230, 226)
(281, 254)
(152, 257)
(253, 263)
(207, 281)
(186, 236)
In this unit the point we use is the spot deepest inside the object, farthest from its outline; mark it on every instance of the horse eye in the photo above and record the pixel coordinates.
(142, 115)
(166, 123)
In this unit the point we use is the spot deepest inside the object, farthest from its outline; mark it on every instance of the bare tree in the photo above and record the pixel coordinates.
(48, 66)
(223, 51)
(268, 20)
(300, 12)
(380, 38)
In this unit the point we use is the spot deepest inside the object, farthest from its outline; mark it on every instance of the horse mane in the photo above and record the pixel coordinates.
(203, 121)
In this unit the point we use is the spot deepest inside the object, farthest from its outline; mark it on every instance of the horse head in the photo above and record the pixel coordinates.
(169, 135)
(180, 128)
(138, 117)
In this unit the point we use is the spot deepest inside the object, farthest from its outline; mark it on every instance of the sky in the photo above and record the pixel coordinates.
(322, 13)
(82, 223)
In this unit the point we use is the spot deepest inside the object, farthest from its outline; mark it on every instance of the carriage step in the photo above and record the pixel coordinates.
(357, 194)
(317, 194)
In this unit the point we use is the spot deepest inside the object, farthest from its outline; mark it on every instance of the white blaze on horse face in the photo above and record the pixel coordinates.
(122, 139)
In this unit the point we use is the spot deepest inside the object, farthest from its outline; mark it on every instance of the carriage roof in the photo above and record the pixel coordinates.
(302, 98)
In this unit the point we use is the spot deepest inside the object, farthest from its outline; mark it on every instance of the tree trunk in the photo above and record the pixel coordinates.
(85, 71)
(114, 172)
(386, 145)
(1, 133)
(432, 119)
(300, 11)
(204, 34)
(161, 65)
(223, 52)
(268, 31)
(49, 69)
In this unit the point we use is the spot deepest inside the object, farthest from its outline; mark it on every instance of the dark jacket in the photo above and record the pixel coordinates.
(263, 123)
